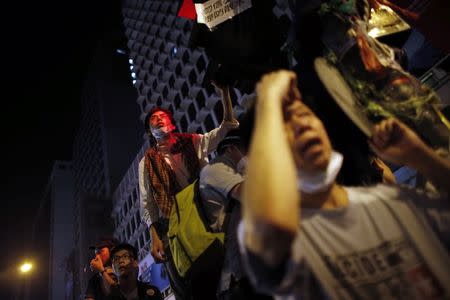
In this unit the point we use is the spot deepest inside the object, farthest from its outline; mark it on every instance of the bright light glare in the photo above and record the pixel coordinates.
(26, 267)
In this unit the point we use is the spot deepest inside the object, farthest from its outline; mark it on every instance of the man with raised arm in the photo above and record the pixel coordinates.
(172, 162)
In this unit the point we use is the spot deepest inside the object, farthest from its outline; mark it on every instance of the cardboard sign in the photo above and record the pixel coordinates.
(214, 12)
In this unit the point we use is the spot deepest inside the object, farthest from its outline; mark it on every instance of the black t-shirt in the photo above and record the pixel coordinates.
(94, 288)
(145, 292)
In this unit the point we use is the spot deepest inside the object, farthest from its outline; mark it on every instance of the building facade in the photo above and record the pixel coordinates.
(61, 231)
(52, 237)
(104, 146)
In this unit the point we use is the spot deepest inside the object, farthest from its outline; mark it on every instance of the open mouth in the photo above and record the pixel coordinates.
(312, 148)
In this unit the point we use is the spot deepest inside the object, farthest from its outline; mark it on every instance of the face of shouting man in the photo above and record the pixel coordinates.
(309, 141)
(160, 124)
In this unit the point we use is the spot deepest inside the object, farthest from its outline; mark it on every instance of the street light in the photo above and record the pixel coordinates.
(26, 267)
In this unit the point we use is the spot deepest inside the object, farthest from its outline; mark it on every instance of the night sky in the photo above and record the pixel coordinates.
(46, 48)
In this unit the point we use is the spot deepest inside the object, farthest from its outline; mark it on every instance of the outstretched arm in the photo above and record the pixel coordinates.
(395, 142)
(207, 143)
(270, 197)
(224, 91)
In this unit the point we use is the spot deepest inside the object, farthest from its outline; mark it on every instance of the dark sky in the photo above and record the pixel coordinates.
(45, 49)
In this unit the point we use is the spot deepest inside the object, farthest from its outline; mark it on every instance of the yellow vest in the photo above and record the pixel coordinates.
(188, 235)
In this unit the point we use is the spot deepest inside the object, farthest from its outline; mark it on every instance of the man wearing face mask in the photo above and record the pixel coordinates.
(303, 236)
(220, 189)
(172, 162)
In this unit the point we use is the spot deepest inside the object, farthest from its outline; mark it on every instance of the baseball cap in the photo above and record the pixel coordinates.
(105, 241)
(232, 138)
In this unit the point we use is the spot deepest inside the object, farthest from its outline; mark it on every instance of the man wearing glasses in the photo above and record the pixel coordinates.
(125, 265)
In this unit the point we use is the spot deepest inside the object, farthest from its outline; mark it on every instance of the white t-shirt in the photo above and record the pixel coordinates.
(388, 243)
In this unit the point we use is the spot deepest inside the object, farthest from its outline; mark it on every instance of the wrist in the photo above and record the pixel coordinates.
(421, 159)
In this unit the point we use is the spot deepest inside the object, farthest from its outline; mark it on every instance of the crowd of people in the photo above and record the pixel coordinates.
(287, 209)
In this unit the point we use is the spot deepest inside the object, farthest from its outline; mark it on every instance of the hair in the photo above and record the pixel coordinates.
(147, 119)
(124, 246)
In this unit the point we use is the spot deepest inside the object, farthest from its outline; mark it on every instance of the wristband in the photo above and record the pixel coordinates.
(321, 181)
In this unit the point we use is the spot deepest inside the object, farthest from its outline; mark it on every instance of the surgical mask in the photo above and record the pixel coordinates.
(322, 181)
(162, 132)
(242, 165)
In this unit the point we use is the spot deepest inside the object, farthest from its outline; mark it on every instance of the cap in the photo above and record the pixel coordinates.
(105, 241)
(232, 138)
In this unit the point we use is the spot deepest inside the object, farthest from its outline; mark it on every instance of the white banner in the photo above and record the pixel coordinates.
(214, 12)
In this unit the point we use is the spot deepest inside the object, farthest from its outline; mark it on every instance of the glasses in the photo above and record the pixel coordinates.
(117, 258)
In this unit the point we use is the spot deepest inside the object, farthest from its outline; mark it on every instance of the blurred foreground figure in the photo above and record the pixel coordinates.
(329, 241)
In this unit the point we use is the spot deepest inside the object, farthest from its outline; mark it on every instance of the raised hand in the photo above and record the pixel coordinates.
(395, 142)
(228, 115)
(97, 264)
(157, 249)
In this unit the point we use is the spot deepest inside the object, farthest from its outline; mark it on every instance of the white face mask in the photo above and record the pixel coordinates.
(242, 165)
(322, 181)
(162, 132)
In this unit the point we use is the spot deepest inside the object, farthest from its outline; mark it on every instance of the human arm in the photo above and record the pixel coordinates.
(148, 207)
(105, 272)
(270, 198)
(156, 246)
(207, 143)
(395, 142)
(224, 91)
(149, 212)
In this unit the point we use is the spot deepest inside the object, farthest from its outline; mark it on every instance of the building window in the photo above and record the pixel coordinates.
(141, 241)
(130, 202)
(127, 237)
(133, 225)
(135, 195)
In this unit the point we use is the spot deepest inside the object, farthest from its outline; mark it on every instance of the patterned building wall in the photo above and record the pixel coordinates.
(167, 72)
